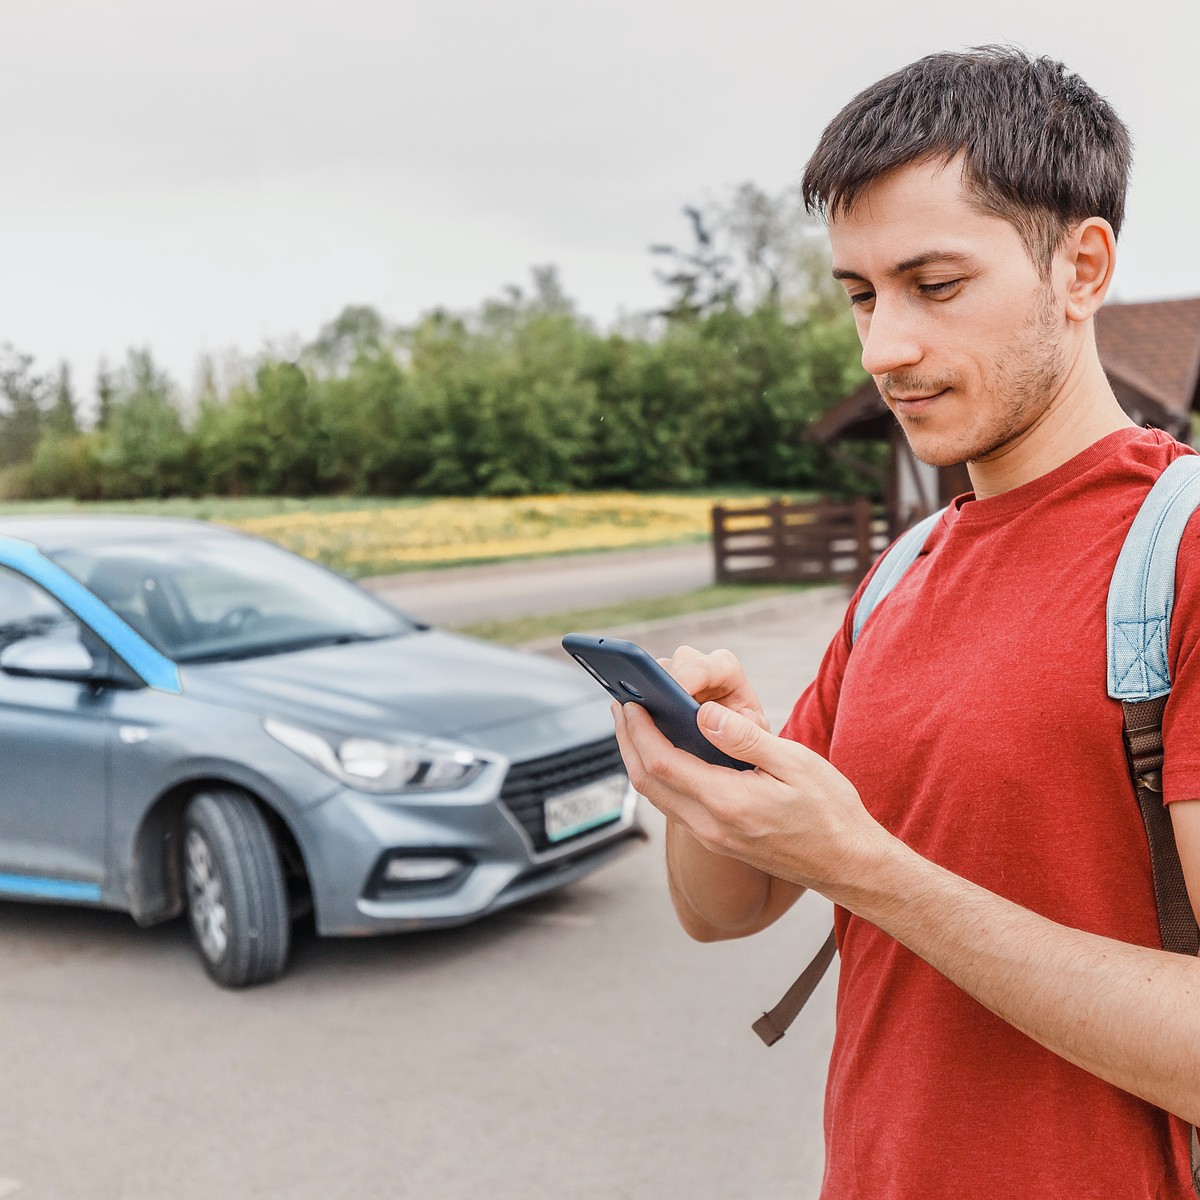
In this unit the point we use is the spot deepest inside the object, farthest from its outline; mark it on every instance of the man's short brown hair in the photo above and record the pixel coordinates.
(1040, 148)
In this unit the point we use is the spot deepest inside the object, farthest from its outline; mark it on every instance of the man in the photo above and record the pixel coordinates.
(1007, 1025)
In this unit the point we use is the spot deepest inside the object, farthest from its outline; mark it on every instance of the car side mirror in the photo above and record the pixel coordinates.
(54, 658)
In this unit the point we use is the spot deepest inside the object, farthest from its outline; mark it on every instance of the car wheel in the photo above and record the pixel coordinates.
(236, 897)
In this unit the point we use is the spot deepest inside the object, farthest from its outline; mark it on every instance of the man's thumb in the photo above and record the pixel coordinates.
(734, 733)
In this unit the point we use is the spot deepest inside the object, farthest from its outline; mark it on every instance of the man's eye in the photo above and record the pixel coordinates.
(945, 288)
(861, 297)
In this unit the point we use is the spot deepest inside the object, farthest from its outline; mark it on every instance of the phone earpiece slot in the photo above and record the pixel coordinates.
(595, 675)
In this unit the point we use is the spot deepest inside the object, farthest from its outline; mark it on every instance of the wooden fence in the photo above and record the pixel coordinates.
(787, 543)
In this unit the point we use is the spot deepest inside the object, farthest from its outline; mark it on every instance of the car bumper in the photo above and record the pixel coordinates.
(348, 838)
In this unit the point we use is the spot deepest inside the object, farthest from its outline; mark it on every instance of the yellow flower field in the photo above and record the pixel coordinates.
(376, 541)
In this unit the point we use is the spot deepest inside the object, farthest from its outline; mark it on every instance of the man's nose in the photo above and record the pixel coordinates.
(890, 342)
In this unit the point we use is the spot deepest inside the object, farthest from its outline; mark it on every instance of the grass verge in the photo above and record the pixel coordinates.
(363, 536)
(631, 612)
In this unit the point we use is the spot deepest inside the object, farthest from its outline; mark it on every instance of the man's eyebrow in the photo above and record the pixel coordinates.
(952, 257)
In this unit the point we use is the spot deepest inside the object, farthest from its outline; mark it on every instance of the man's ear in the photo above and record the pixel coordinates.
(1090, 253)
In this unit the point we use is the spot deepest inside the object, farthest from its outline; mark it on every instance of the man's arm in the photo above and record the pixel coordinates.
(1127, 1014)
(717, 897)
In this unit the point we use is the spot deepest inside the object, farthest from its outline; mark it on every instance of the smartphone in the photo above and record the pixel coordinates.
(629, 674)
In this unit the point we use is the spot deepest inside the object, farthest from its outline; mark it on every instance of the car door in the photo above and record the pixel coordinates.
(54, 753)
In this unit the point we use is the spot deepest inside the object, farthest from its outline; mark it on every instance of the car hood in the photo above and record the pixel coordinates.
(429, 683)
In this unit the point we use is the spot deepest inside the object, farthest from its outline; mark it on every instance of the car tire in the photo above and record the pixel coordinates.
(237, 900)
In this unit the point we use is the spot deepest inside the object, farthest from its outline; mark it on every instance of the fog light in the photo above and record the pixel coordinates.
(420, 870)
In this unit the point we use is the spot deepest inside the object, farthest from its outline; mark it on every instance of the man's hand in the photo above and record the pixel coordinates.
(794, 818)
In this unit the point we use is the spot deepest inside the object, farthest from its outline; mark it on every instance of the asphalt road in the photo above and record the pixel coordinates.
(460, 595)
(579, 1048)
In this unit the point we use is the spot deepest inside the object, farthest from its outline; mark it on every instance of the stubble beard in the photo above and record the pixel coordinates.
(1022, 382)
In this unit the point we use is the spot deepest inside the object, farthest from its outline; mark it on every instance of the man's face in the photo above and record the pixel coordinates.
(965, 339)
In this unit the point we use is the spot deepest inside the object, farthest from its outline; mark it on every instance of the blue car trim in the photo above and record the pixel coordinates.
(156, 669)
(48, 889)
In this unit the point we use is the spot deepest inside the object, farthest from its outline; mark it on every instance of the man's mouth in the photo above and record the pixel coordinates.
(916, 402)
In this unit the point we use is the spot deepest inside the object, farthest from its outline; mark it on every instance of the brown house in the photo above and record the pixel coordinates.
(1150, 352)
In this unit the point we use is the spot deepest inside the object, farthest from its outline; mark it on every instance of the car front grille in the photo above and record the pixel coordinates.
(528, 785)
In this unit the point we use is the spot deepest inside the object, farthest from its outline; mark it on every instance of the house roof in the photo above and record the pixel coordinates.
(1150, 352)
(1154, 348)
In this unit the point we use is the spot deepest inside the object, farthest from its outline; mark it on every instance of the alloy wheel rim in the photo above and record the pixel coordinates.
(206, 897)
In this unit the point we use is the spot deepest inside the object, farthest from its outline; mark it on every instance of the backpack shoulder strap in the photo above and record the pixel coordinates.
(1141, 597)
(1142, 592)
(904, 551)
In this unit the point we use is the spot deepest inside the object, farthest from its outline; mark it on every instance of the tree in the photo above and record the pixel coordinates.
(63, 421)
(357, 329)
(22, 400)
(106, 391)
(750, 250)
(758, 343)
(699, 277)
(145, 450)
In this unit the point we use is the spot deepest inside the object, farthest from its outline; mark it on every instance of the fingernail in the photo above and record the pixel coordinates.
(712, 716)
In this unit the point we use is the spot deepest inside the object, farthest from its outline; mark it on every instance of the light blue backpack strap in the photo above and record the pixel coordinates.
(903, 553)
(1142, 592)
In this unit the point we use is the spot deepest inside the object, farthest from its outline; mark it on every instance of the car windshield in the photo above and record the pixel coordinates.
(220, 597)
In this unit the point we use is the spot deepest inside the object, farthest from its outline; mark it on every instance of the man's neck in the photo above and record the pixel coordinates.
(1083, 411)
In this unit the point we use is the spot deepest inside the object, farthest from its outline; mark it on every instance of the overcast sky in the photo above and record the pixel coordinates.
(200, 177)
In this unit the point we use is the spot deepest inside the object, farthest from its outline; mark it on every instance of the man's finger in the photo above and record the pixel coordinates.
(653, 762)
(629, 752)
(742, 736)
(712, 674)
(659, 770)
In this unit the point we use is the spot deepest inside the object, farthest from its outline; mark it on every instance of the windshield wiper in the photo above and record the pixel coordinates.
(292, 645)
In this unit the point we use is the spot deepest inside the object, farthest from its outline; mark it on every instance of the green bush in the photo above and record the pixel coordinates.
(520, 398)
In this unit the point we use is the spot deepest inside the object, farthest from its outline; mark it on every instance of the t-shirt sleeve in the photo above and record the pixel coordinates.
(1181, 719)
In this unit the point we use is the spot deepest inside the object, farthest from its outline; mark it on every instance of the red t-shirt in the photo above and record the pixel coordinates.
(974, 720)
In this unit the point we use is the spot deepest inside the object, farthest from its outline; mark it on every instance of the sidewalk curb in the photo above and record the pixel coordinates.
(682, 629)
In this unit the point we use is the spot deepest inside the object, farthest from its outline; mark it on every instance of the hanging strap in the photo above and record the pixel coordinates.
(1195, 1161)
(1176, 918)
(771, 1026)
(1143, 748)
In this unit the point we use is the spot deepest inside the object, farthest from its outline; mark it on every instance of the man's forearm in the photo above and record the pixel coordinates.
(1127, 1014)
(717, 897)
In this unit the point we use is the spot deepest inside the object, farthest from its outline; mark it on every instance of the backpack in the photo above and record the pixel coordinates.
(1141, 596)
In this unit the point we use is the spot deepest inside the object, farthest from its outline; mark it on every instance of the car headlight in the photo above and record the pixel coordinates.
(404, 765)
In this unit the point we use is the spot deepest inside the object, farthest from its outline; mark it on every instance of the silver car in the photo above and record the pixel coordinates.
(193, 719)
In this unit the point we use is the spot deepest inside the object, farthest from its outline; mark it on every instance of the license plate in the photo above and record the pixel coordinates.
(584, 807)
